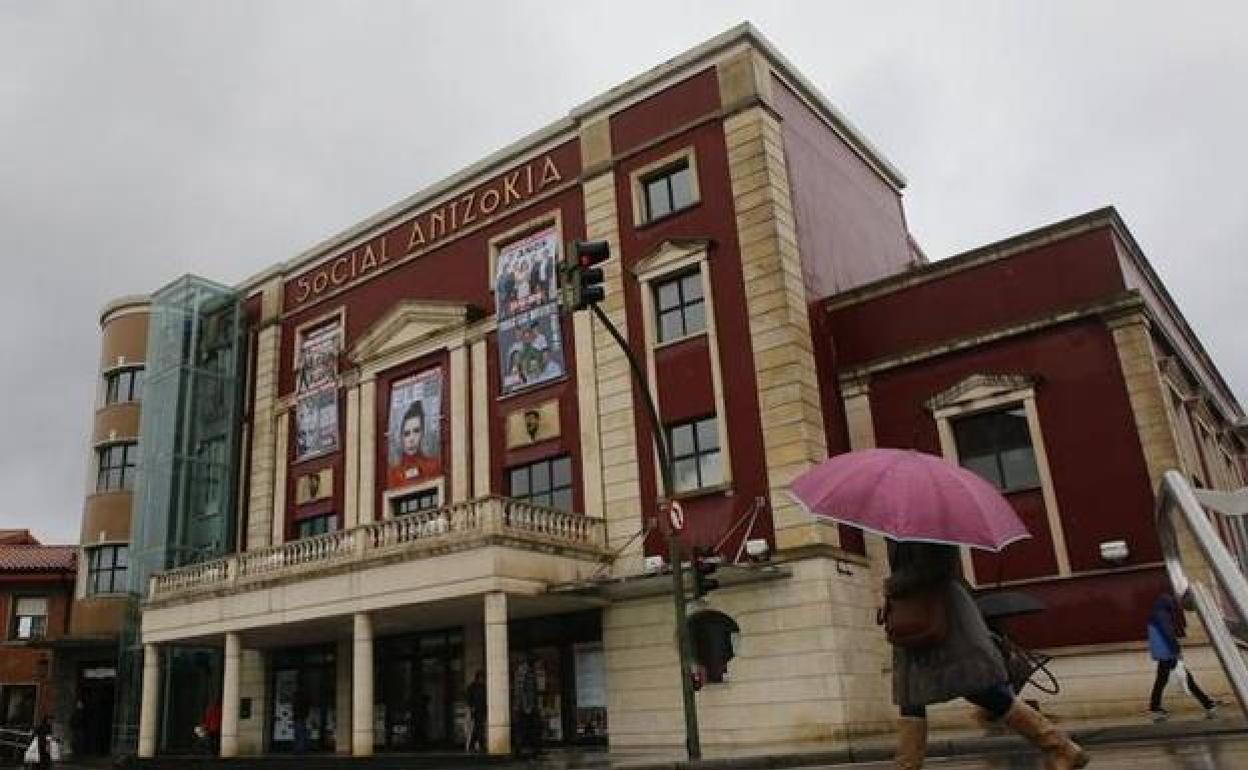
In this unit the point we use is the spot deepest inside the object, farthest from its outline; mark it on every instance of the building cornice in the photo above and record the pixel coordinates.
(566, 129)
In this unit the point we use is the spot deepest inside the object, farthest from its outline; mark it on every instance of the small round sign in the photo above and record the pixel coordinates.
(676, 515)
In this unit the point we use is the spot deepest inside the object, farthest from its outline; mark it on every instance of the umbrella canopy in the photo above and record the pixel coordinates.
(909, 495)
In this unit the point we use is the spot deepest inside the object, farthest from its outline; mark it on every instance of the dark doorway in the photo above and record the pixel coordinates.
(420, 691)
(303, 716)
(92, 726)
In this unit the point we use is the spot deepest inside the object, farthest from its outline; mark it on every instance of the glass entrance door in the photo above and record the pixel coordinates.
(303, 717)
(421, 679)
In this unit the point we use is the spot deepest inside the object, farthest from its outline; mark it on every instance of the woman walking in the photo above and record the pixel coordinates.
(965, 663)
(1163, 646)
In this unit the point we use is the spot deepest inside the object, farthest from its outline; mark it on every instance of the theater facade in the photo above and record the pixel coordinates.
(396, 461)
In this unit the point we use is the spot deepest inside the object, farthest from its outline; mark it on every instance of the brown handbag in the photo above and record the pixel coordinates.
(918, 620)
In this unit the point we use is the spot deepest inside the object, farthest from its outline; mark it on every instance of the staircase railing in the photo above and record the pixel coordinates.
(1178, 502)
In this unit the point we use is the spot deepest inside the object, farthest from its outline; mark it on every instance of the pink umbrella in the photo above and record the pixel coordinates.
(908, 495)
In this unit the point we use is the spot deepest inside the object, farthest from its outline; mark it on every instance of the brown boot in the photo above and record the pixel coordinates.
(1060, 752)
(911, 743)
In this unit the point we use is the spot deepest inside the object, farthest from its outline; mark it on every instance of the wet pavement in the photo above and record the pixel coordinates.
(1221, 753)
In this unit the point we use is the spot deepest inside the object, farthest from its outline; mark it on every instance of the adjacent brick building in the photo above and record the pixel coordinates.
(36, 591)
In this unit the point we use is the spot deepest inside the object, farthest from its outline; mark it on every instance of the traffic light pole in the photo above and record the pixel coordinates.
(693, 740)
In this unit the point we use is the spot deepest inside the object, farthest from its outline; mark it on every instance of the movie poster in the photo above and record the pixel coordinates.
(414, 429)
(530, 347)
(316, 388)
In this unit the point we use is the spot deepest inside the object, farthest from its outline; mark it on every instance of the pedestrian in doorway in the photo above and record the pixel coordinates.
(43, 743)
(78, 729)
(1164, 626)
(475, 697)
(528, 706)
(963, 664)
(300, 710)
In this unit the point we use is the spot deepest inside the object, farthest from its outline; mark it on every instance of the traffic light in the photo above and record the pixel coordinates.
(705, 563)
(583, 277)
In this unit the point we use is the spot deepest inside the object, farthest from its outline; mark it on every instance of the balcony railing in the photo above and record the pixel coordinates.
(486, 519)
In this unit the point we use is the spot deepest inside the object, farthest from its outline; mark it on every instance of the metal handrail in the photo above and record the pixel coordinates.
(1174, 495)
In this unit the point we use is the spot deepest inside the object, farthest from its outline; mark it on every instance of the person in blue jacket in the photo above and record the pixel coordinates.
(1163, 646)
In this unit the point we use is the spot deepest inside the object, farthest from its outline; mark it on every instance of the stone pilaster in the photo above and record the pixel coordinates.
(784, 363)
(460, 435)
(263, 434)
(609, 378)
(480, 420)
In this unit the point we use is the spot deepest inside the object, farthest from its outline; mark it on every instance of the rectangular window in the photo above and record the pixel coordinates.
(30, 617)
(123, 385)
(680, 306)
(997, 446)
(545, 482)
(316, 525)
(117, 466)
(106, 569)
(17, 705)
(424, 500)
(669, 190)
(694, 447)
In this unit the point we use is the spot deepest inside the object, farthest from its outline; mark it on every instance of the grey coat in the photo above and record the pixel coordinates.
(966, 662)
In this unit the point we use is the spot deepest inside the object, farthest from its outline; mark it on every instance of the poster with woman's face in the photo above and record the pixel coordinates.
(414, 429)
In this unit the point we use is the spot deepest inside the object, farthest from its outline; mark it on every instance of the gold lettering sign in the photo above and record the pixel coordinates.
(426, 230)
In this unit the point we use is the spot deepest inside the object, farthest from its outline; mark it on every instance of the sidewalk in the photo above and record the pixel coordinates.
(756, 757)
(882, 748)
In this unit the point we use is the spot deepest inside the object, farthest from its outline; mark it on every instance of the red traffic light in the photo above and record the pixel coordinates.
(590, 253)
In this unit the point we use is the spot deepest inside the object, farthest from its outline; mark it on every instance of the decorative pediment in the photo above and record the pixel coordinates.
(407, 325)
(978, 387)
(671, 254)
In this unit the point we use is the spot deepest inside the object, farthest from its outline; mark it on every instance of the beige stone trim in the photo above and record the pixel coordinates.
(459, 424)
(784, 364)
(368, 450)
(351, 462)
(595, 146)
(264, 456)
(744, 79)
(587, 414)
(638, 178)
(670, 259)
(389, 496)
(620, 493)
(860, 427)
(277, 517)
(480, 419)
(979, 393)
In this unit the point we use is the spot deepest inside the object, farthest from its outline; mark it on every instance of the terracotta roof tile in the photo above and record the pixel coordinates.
(37, 558)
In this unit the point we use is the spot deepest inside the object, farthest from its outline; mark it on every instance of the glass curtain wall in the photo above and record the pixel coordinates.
(185, 501)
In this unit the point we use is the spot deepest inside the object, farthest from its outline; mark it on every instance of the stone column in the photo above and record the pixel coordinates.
(480, 421)
(229, 696)
(460, 436)
(149, 706)
(351, 466)
(362, 687)
(497, 675)
(368, 452)
(343, 695)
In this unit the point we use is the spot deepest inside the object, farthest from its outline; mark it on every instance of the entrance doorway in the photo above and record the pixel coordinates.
(420, 691)
(303, 717)
(92, 726)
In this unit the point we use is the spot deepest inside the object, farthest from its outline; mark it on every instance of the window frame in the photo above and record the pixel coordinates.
(297, 524)
(112, 380)
(669, 259)
(1007, 408)
(395, 501)
(697, 455)
(15, 627)
(981, 392)
(130, 452)
(550, 489)
(679, 278)
(93, 569)
(640, 179)
(6, 693)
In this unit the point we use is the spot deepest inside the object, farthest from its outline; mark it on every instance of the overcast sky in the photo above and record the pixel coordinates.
(143, 140)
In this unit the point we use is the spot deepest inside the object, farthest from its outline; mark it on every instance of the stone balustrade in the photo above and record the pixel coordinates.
(475, 522)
